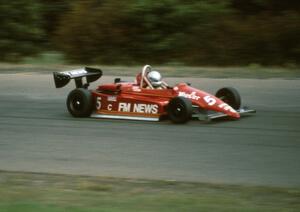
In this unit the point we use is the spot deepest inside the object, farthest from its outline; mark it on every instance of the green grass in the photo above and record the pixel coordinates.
(44, 192)
(48, 62)
(167, 71)
(46, 58)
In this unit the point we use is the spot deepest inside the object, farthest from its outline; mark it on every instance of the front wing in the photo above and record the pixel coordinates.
(211, 115)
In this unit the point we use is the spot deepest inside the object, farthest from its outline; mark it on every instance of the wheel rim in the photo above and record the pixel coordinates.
(179, 110)
(77, 103)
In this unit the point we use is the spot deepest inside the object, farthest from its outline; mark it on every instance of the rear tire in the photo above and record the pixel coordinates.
(80, 102)
(180, 110)
(230, 96)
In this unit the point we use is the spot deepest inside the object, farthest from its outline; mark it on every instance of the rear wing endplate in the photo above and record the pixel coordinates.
(61, 79)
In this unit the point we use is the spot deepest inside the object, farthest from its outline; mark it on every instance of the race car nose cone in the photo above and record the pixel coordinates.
(236, 115)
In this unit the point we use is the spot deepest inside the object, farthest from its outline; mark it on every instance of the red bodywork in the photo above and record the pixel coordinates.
(140, 100)
(130, 100)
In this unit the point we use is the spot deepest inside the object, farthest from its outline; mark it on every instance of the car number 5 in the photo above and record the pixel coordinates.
(98, 103)
(209, 100)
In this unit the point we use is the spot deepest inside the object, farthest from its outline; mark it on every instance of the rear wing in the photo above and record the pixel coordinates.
(61, 79)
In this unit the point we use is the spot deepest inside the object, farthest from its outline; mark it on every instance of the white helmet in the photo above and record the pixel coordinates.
(154, 78)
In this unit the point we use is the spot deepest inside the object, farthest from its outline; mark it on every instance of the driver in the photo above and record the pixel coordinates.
(155, 79)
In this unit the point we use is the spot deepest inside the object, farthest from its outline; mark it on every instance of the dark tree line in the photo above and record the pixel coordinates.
(192, 32)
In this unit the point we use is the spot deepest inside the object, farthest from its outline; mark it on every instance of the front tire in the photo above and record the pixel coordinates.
(230, 96)
(80, 102)
(180, 110)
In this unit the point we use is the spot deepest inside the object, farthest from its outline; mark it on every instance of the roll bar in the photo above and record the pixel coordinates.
(146, 69)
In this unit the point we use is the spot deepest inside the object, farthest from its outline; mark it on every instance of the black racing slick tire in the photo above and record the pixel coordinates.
(80, 102)
(180, 110)
(230, 96)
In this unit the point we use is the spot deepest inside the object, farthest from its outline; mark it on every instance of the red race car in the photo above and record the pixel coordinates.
(148, 98)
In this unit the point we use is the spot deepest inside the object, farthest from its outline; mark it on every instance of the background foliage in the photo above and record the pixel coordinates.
(190, 32)
(21, 29)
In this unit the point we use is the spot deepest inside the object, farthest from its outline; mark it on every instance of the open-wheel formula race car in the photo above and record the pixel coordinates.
(148, 98)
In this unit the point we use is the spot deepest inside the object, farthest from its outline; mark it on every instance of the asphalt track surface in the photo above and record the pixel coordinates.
(38, 135)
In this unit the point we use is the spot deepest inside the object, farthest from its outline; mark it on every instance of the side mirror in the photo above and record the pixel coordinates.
(117, 80)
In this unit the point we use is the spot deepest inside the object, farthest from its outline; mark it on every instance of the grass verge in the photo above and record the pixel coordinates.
(48, 192)
(256, 72)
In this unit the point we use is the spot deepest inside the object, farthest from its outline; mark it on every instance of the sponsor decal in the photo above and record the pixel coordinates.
(226, 107)
(145, 108)
(189, 96)
(138, 108)
(124, 107)
(136, 88)
(75, 72)
(112, 98)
